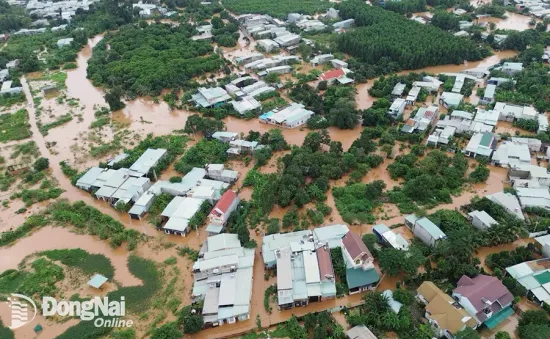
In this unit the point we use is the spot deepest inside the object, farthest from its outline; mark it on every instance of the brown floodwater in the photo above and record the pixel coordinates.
(50, 238)
(513, 21)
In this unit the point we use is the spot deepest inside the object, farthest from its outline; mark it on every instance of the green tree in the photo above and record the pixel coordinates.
(502, 335)
(467, 333)
(112, 98)
(41, 164)
(191, 319)
(166, 331)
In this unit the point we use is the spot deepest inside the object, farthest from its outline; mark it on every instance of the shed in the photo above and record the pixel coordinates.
(97, 281)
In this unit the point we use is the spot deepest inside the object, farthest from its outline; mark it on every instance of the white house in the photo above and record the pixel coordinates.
(481, 220)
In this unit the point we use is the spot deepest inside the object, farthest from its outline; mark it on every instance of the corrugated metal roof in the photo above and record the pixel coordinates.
(222, 242)
(431, 228)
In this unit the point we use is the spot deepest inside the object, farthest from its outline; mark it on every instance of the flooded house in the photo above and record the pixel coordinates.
(510, 153)
(145, 164)
(488, 95)
(413, 95)
(210, 97)
(222, 210)
(509, 201)
(141, 206)
(218, 172)
(178, 213)
(511, 68)
(481, 145)
(444, 314)
(290, 116)
(389, 238)
(534, 276)
(7, 88)
(243, 147)
(527, 175)
(241, 60)
(510, 112)
(321, 59)
(344, 24)
(337, 63)
(360, 332)
(337, 75)
(481, 220)
(361, 274)
(533, 197)
(246, 104)
(225, 136)
(441, 135)
(397, 107)
(267, 45)
(450, 100)
(398, 90)
(425, 229)
(64, 42)
(223, 279)
(485, 298)
(423, 120)
(288, 40)
(487, 118)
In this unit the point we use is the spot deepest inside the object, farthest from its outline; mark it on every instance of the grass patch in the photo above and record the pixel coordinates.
(57, 122)
(138, 298)
(10, 100)
(31, 197)
(37, 283)
(14, 126)
(28, 148)
(88, 263)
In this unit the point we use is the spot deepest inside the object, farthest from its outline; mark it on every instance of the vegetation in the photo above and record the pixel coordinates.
(532, 87)
(202, 153)
(339, 270)
(278, 9)
(138, 298)
(429, 181)
(356, 202)
(88, 263)
(38, 282)
(61, 120)
(14, 126)
(386, 42)
(126, 65)
(191, 319)
(206, 126)
(534, 325)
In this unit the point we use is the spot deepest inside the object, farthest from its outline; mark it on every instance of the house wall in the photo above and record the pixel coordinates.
(468, 307)
(225, 216)
(479, 224)
(423, 235)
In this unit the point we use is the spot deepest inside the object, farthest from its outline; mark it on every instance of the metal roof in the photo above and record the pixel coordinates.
(97, 280)
(172, 206)
(311, 267)
(484, 217)
(90, 177)
(431, 228)
(222, 242)
(147, 160)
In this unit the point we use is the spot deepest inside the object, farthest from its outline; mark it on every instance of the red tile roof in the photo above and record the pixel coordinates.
(355, 246)
(225, 201)
(333, 74)
(325, 263)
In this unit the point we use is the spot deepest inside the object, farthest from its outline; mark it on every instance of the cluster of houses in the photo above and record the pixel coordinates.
(305, 271)
(58, 9)
(237, 146)
(7, 87)
(481, 300)
(223, 277)
(132, 186)
(290, 116)
(309, 24)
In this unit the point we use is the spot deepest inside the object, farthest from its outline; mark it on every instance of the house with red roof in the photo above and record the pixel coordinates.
(485, 298)
(326, 273)
(220, 213)
(360, 272)
(336, 75)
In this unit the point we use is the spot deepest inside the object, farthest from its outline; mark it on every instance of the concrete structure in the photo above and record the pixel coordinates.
(441, 135)
(321, 59)
(510, 153)
(210, 97)
(288, 40)
(242, 146)
(511, 68)
(424, 229)
(443, 313)
(267, 45)
(533, 197)
(344, 24)
(413, 95)
(223, 277)
(527, 175)
(390, 238)
(64, 42)
(534, 145)
(485, 299)
(397, 107)
(336, 63)
(543, 244)
(218, 172)
(481, 144)
(290, 116)
(177, 214)
(225, 136)
(360, 332)
(241, 60)
(509, 201)
(543, 123)
(398, 90)
(481, 220)
(509, 112)
(222, 210)
(423, 120)
(535, 277)
(246, 104)
(489, 118)
(489, 95)
(450, 100)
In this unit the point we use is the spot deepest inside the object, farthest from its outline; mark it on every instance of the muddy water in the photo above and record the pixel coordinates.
(483, 252)
(513, 21)
(51, 328)
(61, 238)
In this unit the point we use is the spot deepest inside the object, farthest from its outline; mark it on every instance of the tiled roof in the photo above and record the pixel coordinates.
(225, 201)
(333, 74)
(355, 246)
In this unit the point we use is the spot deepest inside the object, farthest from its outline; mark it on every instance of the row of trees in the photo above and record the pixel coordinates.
(146, 60)
(386, 38)
(278, 9)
